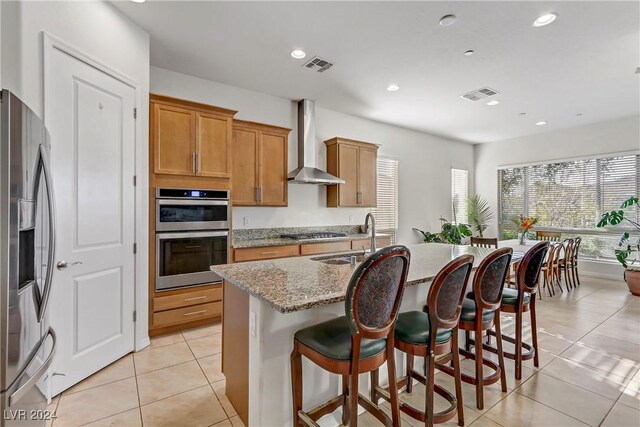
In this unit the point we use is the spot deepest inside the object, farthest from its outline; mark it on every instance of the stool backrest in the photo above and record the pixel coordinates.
(529, 269)
(484, 242)
(375, 292)
(549, 236)
(489, 279)
(569, 246)
(444, 300)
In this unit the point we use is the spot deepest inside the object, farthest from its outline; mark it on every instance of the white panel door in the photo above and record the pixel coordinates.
(92, 154)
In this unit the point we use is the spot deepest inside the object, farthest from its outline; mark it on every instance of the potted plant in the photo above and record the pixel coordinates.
(479, 213)
(450, 233)
(524, 223)
(627, 245)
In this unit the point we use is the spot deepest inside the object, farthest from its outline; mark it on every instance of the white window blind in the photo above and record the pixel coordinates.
(570, 197)
(459, 192)
(386, 213)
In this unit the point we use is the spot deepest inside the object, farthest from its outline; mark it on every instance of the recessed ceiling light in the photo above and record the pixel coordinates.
(493, 102)
(298, 54)
(522, 114)
(447, 20)
(138, 1)
(393, 87)
(638, 70)
(545, 19)
(469, 52)
(579, 115)
(542, 123)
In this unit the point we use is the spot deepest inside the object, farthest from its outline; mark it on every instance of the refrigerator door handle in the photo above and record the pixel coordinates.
(24, 388)
(42, 169)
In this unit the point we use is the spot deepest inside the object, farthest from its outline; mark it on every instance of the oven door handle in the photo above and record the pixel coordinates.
(197, 234)
(192, 202)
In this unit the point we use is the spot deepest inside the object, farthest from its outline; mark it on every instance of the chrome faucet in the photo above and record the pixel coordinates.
(373, 230)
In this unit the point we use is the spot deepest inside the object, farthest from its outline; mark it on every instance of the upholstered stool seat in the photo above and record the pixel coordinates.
(509, 296)
(332, 339)
(413, 327)
(468, 313)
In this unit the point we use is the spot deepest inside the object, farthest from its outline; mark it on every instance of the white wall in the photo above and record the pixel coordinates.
(101, 32)
(613, 136)
(424, 160)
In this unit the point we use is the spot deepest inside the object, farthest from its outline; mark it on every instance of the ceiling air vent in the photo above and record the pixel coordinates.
(476, 95)
(318, 64)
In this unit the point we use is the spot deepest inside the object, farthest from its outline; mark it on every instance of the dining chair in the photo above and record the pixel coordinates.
(358, 342)
(484, 242)
(521, 300)
(485, 299)
(549, 236)
(569, 263)
(551, 269)
(431, 333)
(576, 251)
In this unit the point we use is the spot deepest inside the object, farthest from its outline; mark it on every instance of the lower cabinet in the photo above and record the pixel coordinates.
(184, 306)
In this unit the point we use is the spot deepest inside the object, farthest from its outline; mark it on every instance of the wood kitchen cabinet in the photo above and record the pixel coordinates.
(356, 163)
(259, 163)
(189, 138)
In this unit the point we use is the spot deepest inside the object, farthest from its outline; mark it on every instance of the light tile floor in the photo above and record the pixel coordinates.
(589, 374)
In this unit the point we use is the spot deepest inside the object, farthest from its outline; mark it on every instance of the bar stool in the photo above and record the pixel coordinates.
(551, 269)
(485, 298)
(430, 334)
(521, 300)
(359, 342)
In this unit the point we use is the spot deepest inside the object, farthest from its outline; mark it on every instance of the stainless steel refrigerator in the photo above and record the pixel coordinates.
(27, 233)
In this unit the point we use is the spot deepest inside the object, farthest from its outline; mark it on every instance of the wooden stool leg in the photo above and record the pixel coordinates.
(518, 348)
(479, 370)
(457, 376)
(467, 341)
(374, 383)
(534, 333)
(353, 384)
(429, 393)
(503, 372)
(296, 383)
(409, 370)
(345, 404)
(393, 385)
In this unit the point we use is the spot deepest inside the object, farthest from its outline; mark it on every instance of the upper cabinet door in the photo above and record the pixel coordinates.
(367, 177)
(244, 182)
(213, 150)
(348, 170)
(174, 140)
(273, 170)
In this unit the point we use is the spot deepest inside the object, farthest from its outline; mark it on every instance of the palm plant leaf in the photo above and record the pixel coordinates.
(479, 212)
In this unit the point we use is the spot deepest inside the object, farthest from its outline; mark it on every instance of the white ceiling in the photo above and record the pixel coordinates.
(583, 63)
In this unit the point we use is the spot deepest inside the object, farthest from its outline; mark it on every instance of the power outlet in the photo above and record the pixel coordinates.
(245, 221)
(350, 219)
(252, 323)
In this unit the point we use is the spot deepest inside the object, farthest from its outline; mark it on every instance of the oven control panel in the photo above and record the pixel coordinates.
(179, 193)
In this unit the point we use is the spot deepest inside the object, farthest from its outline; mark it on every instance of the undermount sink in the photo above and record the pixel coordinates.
(340, 259)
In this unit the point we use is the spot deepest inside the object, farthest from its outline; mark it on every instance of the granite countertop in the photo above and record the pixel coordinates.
(300, 283)
(279, 241)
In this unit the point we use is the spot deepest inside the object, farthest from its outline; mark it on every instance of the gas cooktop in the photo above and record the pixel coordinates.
(309, 236)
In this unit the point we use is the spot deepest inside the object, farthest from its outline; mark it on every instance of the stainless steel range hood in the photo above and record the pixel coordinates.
(307, 172)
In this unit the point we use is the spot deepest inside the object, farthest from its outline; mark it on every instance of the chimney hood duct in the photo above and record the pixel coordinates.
(307, 172)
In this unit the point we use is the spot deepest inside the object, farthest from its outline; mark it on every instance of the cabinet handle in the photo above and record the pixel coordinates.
(193, 162)
(198, 163)
(195, 298)
(258, 194)
(359, 198)
(195, 312)
(269, 253)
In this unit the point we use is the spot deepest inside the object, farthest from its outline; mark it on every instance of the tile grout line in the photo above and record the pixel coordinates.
(135, 372)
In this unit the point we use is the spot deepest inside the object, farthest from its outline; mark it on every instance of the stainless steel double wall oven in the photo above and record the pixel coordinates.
(192, 233)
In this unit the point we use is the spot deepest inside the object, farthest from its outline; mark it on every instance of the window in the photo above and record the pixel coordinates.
(570, 197)
(459, 192)
(386, 213)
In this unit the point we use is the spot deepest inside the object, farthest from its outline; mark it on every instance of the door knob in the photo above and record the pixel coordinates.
(61, 265)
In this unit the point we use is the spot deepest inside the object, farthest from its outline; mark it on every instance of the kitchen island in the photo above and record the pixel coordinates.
(266, 302)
